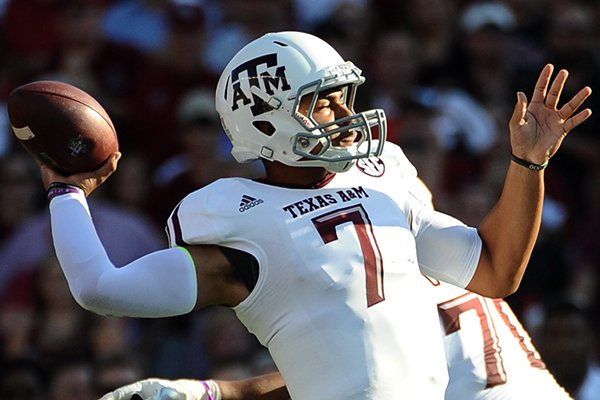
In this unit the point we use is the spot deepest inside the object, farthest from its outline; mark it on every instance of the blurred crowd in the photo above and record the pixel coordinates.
(445, 71)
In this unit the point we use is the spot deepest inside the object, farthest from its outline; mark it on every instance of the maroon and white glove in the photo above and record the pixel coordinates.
(163, 389)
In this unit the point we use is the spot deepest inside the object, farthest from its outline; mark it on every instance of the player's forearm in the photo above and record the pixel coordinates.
(265, 387)
(509, 232)
(157, 285)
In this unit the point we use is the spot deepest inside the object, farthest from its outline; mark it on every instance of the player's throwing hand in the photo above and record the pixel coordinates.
(537, 129)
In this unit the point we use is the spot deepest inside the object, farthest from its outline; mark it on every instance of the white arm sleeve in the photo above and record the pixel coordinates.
(447, 249)
(159, 284)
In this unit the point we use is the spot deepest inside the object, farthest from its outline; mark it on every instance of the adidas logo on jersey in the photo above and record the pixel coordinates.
(247, 202)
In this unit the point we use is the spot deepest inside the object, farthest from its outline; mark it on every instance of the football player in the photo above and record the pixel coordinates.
(322, 258)
(488, 352)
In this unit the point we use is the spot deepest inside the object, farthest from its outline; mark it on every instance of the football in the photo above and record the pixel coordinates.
(61, 126)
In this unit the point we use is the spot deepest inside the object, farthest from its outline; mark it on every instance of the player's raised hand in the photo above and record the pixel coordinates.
(537, 129)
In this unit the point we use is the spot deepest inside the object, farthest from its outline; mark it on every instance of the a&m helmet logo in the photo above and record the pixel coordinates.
(260, 72)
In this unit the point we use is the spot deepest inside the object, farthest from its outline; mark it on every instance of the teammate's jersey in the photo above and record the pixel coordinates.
(340, 301)
(490, 355)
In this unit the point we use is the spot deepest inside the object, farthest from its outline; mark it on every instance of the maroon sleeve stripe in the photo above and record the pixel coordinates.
(177, 227)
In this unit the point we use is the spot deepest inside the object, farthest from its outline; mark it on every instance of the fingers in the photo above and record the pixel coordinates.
(128, 392)
(107, 169)
(110, 165)
(573, 104)
(576, 120)
(518, 116)
(556, 89)
(116, 395)
(170, 394)
(539, 93)
(115, 157)
(551, 97)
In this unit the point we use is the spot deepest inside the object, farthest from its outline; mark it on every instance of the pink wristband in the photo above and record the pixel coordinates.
(209, 390)
(58, 188)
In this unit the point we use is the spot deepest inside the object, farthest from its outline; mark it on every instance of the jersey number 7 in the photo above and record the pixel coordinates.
(450, 312)
(326, 225)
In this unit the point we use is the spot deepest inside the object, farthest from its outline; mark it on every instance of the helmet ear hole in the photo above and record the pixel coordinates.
(265, 127)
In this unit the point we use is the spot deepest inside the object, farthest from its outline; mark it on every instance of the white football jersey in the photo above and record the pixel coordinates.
(490, 355)
(340, 301)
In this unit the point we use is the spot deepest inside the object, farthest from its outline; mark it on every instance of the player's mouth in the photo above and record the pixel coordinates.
(345, 139)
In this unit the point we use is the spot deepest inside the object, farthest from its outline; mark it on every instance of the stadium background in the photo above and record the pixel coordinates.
(446, 72)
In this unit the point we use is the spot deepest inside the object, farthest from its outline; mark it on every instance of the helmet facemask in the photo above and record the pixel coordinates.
(315, 144)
